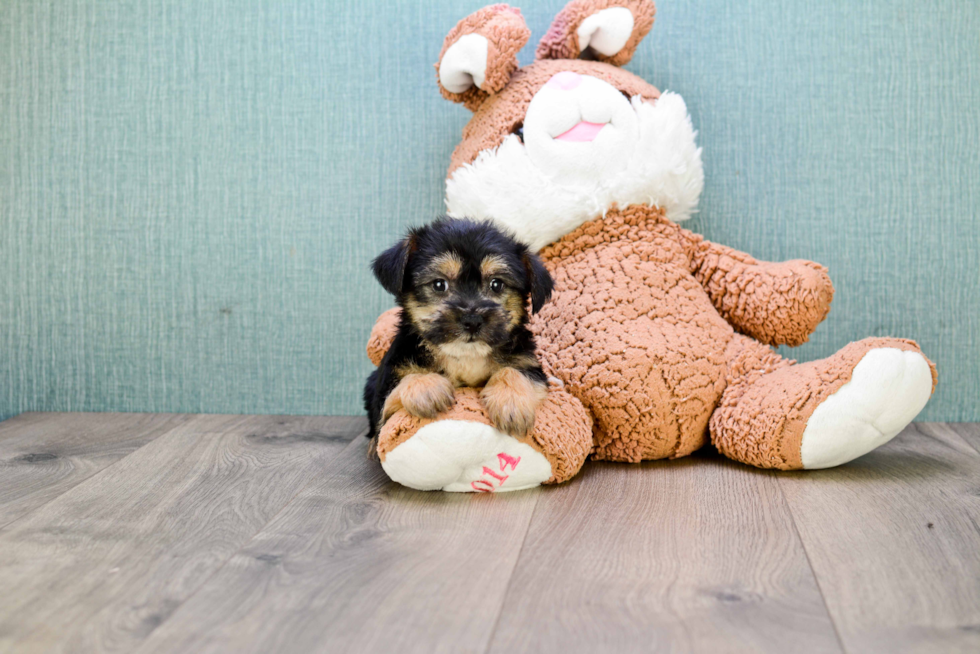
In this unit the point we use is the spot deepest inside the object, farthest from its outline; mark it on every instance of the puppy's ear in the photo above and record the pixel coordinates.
(389, 267)
(539, 281)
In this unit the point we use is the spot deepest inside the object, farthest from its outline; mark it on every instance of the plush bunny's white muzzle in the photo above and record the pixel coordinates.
(579, 128)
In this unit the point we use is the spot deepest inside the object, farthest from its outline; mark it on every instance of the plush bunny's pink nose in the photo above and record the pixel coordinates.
(566, 80)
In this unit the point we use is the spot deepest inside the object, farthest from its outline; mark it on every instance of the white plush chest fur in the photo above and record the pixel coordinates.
(540, 206)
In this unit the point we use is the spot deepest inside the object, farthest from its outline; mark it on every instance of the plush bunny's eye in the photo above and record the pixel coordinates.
(440, 286)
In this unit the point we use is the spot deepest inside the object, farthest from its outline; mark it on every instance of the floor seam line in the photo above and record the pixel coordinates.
(969, 443)
(5, 525)
(245, 544)
(809, 562)
(510, 579)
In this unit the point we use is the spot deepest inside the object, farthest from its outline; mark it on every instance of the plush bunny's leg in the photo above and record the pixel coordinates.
(774, 414)
(461, 451)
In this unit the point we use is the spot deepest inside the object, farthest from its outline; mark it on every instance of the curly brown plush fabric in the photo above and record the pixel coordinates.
(775, 303)
(561, 41)
(633, 335)
(562, 429)
(768, 400)
(384, 332)
(506, 33)
(641, 330)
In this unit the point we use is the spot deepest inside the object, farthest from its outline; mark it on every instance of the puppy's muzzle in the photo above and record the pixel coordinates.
(472, 322)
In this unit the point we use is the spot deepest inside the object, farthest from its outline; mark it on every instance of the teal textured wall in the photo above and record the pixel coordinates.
(191, 190)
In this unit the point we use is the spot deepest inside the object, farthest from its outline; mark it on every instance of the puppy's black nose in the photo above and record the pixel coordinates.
(471, 322)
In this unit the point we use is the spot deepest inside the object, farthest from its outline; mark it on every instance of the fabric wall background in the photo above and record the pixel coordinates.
(191, 190)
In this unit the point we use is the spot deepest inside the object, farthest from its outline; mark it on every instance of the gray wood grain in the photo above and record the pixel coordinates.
(42, 455)
(104, 564)
(360, 564)
(231, 534)
(693, 555)
(894, 540)
(968, 431)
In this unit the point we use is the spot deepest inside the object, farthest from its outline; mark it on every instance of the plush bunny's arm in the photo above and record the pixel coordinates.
(382, 334)
(775, 303)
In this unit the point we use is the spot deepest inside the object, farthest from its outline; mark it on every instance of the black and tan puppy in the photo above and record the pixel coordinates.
(464, 288)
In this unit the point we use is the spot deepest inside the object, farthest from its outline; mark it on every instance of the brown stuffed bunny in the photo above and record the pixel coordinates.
(654, 337)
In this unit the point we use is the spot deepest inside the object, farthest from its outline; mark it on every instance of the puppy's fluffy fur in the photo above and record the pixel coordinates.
(464, 289)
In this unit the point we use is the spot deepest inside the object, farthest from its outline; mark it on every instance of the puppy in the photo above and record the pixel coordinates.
(464, 289)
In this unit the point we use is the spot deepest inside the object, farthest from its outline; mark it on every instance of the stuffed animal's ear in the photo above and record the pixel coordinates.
(539, 279)
(480, 54)
(389, 267)
(607, 30)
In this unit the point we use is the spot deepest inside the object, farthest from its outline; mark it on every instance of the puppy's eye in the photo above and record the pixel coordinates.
(519, 130)
(496, 285)
(440, 286)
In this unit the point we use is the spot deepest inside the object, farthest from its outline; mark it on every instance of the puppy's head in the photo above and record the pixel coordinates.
(460, 281)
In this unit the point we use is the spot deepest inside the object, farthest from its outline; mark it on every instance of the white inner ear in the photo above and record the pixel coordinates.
(465, 63)
(606, 31)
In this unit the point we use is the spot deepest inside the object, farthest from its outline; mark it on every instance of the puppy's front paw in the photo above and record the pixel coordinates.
(511, 400)
(425, 395)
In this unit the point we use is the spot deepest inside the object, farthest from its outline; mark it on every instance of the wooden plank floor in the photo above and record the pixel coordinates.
(177, 533)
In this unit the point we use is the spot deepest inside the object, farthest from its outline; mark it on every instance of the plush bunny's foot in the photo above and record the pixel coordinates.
(463, 456)
(823, 413)
(887, 390)
(461, 451)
